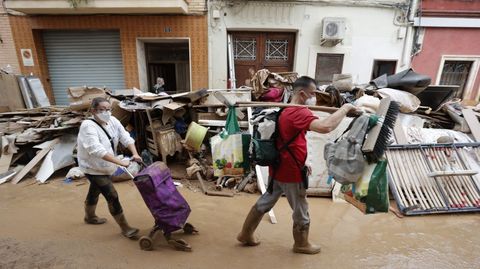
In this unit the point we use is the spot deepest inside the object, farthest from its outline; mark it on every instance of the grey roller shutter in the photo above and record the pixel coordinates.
(77, 58)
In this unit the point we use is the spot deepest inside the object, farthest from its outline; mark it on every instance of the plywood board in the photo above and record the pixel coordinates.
(59, 157)
(40, 155)
(10, 92)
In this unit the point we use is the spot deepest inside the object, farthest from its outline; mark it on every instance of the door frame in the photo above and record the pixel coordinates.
(142, 61)
(472, 76)
(292, 50)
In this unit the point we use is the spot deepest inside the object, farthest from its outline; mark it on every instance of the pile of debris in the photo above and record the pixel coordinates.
(210, 131)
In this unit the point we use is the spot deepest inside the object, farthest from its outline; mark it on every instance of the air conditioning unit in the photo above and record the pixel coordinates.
(333, 31)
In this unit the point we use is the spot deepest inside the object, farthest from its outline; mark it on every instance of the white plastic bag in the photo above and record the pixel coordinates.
(408, 102)
(368, 103)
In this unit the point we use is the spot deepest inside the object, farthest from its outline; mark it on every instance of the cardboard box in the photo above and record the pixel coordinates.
(122, 115)
(81, 97)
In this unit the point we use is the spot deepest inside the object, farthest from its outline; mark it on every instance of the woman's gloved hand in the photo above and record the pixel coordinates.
(124, 162)
(137, 158)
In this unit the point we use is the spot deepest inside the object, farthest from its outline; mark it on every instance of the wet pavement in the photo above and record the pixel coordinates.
(41, 226)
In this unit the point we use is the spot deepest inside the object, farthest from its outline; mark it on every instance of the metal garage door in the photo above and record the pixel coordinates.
(77, 58)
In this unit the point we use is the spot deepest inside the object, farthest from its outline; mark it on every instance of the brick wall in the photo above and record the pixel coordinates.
(196, 6)
(27, 34)
(7, 46)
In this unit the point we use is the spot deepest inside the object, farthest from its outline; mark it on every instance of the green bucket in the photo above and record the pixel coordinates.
(195, 135)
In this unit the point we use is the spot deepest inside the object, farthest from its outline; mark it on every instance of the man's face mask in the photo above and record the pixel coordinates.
(311, 100)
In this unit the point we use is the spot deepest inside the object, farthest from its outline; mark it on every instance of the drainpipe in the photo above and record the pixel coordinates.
(408, 43)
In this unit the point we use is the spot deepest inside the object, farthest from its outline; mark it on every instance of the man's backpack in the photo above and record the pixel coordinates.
(265, 133)
(345, 160)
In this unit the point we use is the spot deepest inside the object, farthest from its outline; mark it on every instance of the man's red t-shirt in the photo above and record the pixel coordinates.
(292, 121)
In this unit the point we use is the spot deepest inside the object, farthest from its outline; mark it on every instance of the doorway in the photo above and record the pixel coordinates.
(164, 58)
(258, 50)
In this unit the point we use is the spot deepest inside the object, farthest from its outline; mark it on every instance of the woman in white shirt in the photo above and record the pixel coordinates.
(97, 142)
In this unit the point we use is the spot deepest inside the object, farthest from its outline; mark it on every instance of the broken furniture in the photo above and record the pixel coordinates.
(435, 96)
(419, 186)
(162, 140)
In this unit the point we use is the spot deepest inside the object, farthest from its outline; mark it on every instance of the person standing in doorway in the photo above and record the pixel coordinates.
(97, 141)
(160, 86)
(293, 123)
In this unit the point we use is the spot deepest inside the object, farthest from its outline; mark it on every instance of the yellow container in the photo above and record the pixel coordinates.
(195, 135)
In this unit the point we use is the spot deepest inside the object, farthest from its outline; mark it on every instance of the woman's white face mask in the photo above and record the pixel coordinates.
(104, 116)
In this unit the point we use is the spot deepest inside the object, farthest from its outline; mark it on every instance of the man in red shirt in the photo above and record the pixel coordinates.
(294, 122)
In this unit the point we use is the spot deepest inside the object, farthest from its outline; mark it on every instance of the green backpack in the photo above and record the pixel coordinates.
(264, 149)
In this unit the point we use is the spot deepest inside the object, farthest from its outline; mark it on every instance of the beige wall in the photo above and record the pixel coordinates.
(7, 47)
(196, 6)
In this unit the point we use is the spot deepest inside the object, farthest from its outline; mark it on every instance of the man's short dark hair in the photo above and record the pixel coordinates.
(303, 83)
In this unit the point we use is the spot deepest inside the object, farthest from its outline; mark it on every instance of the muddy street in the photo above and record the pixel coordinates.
(42, 227)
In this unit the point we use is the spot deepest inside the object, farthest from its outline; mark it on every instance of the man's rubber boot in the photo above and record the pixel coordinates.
(300, 235)
(127, 231)
(246, 236)
(90, 217)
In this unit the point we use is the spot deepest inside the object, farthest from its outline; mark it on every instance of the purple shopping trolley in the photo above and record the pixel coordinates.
(167, 205)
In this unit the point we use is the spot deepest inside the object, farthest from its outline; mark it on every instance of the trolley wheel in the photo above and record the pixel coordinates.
(189, 229)
(146, 243)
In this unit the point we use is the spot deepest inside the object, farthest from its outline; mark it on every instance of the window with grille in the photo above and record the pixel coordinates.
(456, 73)
(245, 49)
(276, 50)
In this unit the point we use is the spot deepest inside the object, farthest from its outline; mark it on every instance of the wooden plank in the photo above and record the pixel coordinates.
(11, 94)
(372, 135)
(5, 161)
(6, 158)
(261, 185)
(153, 132)
(6, 176)
(472, 122)
(220, 123)
(40, 155)
(361, 206)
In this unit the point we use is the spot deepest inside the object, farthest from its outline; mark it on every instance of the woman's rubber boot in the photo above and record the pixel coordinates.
(246, 236)
(90, 217)
(300, 235)
(127, 231)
